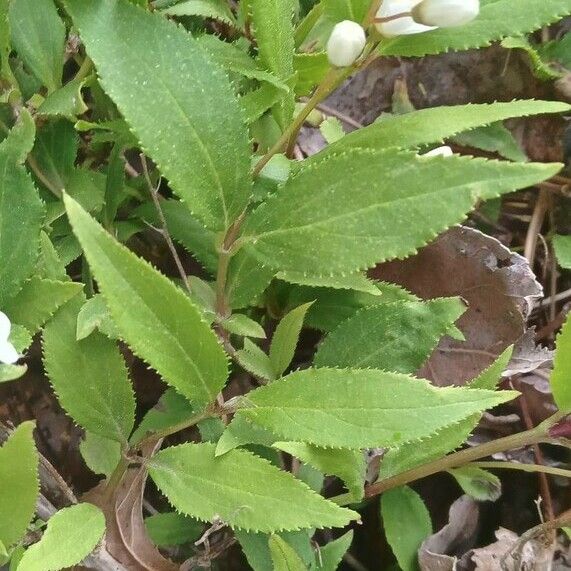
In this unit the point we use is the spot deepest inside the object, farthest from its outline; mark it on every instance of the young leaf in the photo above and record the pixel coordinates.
(349, 465)
(432, 125)
(247, 279)
(407, 524)
(21, 213)
(284, 341)
(362, 194)
(330, 556)
(562, 245)
(284, 557)
(480, 484)
(71, 535)
(357, 282)
(273, 28)
(94, 314)
(19, 483)
(103, 402)
(257, 550)
(198, 140)
(172, 409)
(100, 454)
(561, 375)
(255, 361)
(172, 528)
(37, 301)
(355, 408)
(256, 103)
(242, 489)
(156, 318)
(216, 9)
(240, 432)
(392, 336)
(488, 379)
(11, 372)
(240, 324)
(66, 102)
(49, 265)
(38, 35)
(497, 19)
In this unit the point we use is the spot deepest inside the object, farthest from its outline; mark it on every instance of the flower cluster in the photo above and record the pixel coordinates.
(398, 18)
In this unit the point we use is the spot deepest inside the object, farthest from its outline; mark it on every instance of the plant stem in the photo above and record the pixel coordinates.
(116, 477)
(537, 468)
(371, 13)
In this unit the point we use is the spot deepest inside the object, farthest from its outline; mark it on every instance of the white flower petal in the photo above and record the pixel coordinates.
(346, 43)
(8, 353)
(402, 26)
(444, 151)
(446, 13)
(5, 327)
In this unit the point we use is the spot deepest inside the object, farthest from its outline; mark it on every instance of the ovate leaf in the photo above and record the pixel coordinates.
(479, 484)
(561, 375)
(38, 35)
(392, 336)
(355, 408)
(284, 341)
(19, 485)
(562, 245)
(497, 19)
(94, 314)
(89, 376)
(21, 213)
(198, 140)
(71, 535)
(156, 318)
(100, 454)
(38, 299)
(284, 557)
(407, 524)
(355, 214)
(229, 487)
(349, 465)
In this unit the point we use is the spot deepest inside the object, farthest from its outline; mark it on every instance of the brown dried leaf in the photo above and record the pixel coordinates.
(441, 551)
(126, 539)
(497, 284)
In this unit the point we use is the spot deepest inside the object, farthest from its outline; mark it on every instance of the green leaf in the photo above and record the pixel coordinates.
(339, 10)
(172, 409)
(67, 101)
(349, 465)
(100, 454)
(71, 535)
(230, 487)
(240, 324)
(37, 301)
(38, 35)
(407, 524)
(103, 402)
(284, 557)
(257, 550)
(172, 528)
(494, 138)
(19, 483)
(256, 103)
(199, 140)
(11, 372)
(357, 282)
(354, 217)
(354, 408)
(216, 9)
(432, 125)
(481, 485)
(488, 379)
(561, 376)
(284, 341)
(94, 314)
(247, 279)
(272, 22)
(497, 19)
(332, 130)
(49, 264)
(20, 139)
(255, 361)
(392, 336)
(562, 245)
(310, 69)
(330, 556)
(158, 321)
(541, 69)
(21, 213)
(240, 432)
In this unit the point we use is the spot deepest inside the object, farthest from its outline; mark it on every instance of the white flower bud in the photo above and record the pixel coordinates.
(444, 151)
(8, 353)
(446, 13)
(346, 43)
(400, 26)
